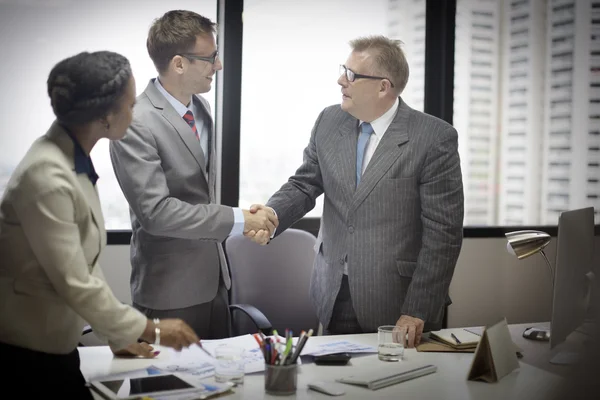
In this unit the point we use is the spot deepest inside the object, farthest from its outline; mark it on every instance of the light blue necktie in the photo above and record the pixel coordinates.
(365, 132)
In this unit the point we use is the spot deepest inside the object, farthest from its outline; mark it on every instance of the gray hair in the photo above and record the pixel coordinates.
(389, 58)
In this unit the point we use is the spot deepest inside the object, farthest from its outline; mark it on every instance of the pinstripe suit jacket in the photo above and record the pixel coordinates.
(177, 229)
(400, 230)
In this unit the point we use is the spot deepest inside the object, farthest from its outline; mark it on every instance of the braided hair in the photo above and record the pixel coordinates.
(87, 86)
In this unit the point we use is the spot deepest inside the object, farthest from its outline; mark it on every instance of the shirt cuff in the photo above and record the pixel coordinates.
(274, 230)
(238, 224)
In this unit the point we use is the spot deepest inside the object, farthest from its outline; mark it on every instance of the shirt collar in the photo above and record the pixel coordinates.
(381, 124)
(177, 105)
(83, 162)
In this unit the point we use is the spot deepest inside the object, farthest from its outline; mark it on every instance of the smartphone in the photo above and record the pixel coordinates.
(333, 359)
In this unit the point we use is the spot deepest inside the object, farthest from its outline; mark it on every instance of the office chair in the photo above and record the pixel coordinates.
(275, 279)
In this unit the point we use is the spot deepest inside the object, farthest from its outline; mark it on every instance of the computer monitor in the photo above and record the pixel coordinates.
(574, 258)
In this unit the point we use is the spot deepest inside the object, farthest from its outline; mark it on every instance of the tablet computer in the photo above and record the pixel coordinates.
(154, 385)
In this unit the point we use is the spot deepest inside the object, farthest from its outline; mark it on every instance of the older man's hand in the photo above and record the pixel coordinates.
(410, 330)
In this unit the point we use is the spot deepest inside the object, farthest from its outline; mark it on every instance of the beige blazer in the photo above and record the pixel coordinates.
(51, 236)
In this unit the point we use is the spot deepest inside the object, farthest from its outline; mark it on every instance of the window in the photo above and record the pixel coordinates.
(547, 120)
(291, 54)
(41, 41)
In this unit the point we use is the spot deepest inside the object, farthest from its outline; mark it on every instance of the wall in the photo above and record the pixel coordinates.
(488, 282)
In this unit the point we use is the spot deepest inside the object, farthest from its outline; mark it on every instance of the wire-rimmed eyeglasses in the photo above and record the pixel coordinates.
(352, 76)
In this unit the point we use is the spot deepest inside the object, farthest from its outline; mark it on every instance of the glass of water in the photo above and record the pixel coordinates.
(390, 348)
(230, 364)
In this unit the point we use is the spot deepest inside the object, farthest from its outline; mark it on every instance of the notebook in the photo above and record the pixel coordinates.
(381, 378)
(465, 338)
(430, 345)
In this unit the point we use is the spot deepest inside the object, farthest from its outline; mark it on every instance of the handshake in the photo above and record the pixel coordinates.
(259, 223)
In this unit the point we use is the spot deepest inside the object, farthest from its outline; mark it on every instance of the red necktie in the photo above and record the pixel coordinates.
(189, 118)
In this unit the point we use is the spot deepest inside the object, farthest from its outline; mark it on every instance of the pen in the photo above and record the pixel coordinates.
(258, 340)
(286, 352)
(455, 338)
(204, 350)
(268, 351)
(299, 346)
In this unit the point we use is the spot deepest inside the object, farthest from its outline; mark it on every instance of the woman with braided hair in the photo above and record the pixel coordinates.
(52, 233)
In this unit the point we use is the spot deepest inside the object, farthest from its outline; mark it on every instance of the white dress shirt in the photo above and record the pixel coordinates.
(203, 132)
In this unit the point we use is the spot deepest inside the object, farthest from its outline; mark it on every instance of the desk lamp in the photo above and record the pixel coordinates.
(524, 244)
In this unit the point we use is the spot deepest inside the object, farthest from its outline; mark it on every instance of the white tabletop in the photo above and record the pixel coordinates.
(449, 382)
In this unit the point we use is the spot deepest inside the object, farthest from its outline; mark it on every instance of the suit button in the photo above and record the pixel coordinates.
(351, 229)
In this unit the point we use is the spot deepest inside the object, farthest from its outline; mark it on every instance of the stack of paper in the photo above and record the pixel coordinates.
(340, 346)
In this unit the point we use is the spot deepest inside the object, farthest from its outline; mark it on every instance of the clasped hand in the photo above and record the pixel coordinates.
(260, 223)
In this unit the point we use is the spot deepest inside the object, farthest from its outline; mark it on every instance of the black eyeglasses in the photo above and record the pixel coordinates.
(352, 76)
(211, 59)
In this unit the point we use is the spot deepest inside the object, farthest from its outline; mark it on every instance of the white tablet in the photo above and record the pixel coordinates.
(135, 388)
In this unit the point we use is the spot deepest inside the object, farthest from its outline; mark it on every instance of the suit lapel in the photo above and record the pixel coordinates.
(91, 194)
(181, 127)
(346, 154)
(388, 151)
(62, 139)
(211, 148)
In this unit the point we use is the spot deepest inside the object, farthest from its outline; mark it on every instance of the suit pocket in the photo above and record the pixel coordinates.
(406, 269)
(404, 188)
(168, 246)
(320, 250)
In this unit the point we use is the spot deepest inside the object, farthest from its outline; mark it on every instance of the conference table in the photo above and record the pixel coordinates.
(536, 377)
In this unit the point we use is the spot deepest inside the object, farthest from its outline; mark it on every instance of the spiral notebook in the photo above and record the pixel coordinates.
(379, 379)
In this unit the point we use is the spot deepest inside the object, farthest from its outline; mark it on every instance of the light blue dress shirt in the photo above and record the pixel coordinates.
(203, 130)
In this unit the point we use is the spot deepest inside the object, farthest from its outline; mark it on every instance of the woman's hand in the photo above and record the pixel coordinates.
(176, 334)
(136, 350)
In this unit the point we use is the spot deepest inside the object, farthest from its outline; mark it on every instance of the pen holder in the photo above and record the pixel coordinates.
(281, 380)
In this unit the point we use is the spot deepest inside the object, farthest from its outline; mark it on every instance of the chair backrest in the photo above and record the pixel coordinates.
(274, 278)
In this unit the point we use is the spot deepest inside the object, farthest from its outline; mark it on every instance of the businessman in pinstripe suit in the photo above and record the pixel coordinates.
(391, 229)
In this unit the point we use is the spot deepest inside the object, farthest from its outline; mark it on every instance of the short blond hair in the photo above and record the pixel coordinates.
(389, 57)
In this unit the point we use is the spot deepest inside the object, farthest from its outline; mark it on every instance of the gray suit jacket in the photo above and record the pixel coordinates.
(176, 250)
(400, 230)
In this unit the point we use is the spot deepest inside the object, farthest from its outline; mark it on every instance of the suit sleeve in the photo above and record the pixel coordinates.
(137, 165)
(442, 211)
(48, 221)
(298, 195)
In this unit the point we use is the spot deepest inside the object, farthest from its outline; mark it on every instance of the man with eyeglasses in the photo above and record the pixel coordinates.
(166, 169)
(391, 229)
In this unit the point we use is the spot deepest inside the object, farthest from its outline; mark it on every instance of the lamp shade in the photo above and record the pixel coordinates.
(525, 243)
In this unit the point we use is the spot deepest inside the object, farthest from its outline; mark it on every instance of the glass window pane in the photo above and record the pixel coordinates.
(35, 35)
(527, 109)
(289, 77)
